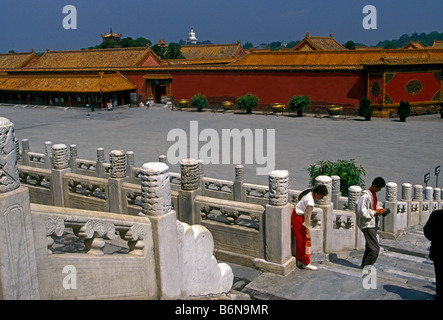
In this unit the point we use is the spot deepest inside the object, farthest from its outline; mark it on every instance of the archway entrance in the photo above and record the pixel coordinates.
(159, 90)
(158, 86)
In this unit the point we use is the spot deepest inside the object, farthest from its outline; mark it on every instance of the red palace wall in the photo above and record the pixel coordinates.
(137, 79)
(324, 88)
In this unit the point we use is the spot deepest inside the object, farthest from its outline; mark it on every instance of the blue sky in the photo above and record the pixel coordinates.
(38, 24)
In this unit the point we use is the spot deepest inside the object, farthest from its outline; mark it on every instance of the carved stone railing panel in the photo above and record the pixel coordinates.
(94, 229)
(230, 212)
(85, 167)
(218, 185)
(343, 222)
(35, 177)
(84, 192)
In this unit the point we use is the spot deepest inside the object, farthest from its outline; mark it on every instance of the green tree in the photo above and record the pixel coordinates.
(141, 42)
(292, 44)
(173, 51)
(126, 42)
(159, 50)
(108, 44)
(275, 46)
(349, 45)
(248, 45)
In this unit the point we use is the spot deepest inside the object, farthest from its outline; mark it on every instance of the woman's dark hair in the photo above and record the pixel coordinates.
(320, 189)
(303, 193)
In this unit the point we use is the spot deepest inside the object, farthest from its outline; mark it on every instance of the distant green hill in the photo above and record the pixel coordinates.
(426, 39)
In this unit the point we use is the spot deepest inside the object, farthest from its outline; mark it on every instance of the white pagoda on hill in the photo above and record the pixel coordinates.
(192, 39)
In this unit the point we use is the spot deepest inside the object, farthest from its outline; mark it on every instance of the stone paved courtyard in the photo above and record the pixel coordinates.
(400, 152)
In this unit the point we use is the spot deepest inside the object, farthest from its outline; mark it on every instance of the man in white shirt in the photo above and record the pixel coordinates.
(366, 213)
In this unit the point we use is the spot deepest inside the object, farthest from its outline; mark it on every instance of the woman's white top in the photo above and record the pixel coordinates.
(307, 200)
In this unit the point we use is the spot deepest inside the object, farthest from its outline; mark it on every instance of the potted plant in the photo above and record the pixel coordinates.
(199, 101)
(247, 102)
(299, 104)
(404, 110)
(365, 109)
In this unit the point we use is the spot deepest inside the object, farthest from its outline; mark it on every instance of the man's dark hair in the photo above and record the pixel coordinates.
(379, 182)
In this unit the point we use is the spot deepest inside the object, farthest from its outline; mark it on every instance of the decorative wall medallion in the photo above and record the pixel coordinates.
(414, 87)
(388, 99)
(388, 77)
(375, 89)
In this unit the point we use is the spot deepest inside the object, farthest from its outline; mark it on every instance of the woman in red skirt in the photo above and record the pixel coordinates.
(301, 221)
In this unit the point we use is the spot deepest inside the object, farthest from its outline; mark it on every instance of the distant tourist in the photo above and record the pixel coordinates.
(433, 232)
(301, 222)
(366, 213)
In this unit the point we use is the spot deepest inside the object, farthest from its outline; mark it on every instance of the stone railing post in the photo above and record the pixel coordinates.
(190, 178)
(389, 222)
(201, 173)
(277, 237)
(156, 199)
(25, 152)
(406, 196)
(429, 193)
(437, 197)
(238, 183)
(100, 170)
(335, 196)
(72, 157)
(354, 192)
(18, 267)
(130, 163)
(60, 166)
(117, 160)
(418, 196)
(328, 207)
(48, 152)
(428, 203)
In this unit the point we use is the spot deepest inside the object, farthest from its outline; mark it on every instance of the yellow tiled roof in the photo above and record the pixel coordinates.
(414, 45)
(319, 43)
(212, 51)
(338, 58)
(194, 62)
(97, 58)
(16, 60)
(66, 83)
(438, 44)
